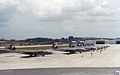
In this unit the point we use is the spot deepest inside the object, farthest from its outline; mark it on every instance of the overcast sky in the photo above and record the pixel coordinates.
(20, 19)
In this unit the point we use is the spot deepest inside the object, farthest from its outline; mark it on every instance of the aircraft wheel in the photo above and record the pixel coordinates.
(80, 52)
(43, 55)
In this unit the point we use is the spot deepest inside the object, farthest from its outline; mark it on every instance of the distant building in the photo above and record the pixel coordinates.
(1, 43)
(116, 41)
(98, 41)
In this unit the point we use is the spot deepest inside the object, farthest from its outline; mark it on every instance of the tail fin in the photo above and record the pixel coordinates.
(55, 46)
(71, 45)
(11, 47)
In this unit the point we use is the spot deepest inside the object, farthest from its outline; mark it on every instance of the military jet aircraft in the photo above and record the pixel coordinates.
(31, 53)
(72, 49)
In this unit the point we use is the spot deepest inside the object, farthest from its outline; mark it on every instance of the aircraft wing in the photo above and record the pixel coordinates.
(32, 52)
(73, 50)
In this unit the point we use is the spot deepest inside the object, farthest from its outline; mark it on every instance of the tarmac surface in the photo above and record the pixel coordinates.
(62, 71)
(107, 58)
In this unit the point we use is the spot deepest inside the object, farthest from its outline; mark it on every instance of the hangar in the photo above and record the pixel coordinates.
(98, 41)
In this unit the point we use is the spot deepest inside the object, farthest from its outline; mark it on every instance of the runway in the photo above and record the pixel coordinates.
(62, 71)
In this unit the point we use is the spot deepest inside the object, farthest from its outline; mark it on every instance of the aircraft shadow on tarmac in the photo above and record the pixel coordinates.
(30, 56)
(26, 56)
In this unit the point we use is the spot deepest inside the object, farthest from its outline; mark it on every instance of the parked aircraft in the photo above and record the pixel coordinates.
(73, 49)
(31, 53)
